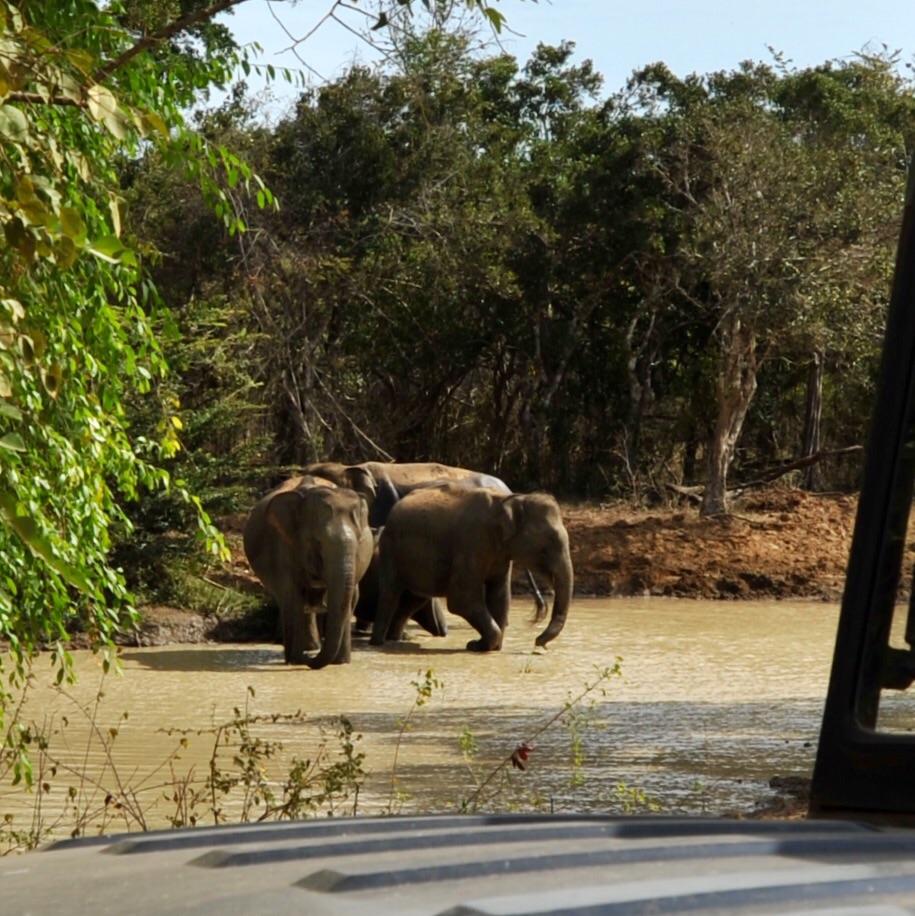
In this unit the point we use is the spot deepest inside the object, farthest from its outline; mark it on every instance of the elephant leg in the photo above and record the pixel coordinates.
(294, 632)
(498, 599)
(490, 636)
(414, 606)
(478, 615)
(431, 617)
(389, 600)
(295, 622)
(390, 594)
(314, 622)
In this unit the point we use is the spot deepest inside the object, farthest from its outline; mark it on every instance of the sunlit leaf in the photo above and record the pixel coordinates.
(115, 210)
(71, 222)
(32, 537)
(102, 102)
(117, 124)
(51, 378)
(13, 123)
(109, 248)
(13, 308)
(152, 122)
(12, 442)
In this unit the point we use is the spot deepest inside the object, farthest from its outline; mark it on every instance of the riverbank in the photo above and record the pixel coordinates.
(776, 544)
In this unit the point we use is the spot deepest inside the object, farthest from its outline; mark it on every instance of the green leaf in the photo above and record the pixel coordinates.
(72, 224)
(109, 248)
(496, 18)
(10, 410)
(13, 123)
(12, 442)
(65, 253)
(27, 529)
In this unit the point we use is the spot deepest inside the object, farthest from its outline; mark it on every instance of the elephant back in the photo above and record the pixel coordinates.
(445, 510)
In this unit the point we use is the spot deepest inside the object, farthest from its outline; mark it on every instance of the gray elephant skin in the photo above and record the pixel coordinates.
(430, 615)
(385, 484)
(309, 542)
(459, 543)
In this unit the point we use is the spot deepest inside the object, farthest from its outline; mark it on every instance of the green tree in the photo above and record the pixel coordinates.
(386, 276)
(86, 88)
(781, 209)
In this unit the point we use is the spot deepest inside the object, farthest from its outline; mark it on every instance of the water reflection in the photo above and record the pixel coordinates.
(203, 658)
(714, 699)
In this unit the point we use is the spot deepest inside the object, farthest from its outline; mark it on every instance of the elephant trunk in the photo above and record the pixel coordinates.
(562, 598)
(341, 599)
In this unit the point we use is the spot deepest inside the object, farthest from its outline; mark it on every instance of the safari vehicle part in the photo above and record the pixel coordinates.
(860, 770)
(508, 865)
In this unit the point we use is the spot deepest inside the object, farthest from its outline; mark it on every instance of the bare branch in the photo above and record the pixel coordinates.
(798, 464)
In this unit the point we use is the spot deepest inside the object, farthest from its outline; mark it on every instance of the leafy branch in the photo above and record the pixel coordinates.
(519, 756)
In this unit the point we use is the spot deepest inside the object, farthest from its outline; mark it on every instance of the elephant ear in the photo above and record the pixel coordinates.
(283, 513)
(361, 515)
(510, 511)
(362, 481)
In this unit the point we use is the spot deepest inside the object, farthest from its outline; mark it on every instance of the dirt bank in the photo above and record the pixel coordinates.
(775, 544)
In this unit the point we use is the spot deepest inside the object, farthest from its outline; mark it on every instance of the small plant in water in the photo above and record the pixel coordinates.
(238, 785)
(497, 785)
(633, 800)
(423, 694)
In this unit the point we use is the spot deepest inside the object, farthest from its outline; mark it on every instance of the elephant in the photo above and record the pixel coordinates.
(459, 543)
(310, 543)
(429, 614)
(387, 483)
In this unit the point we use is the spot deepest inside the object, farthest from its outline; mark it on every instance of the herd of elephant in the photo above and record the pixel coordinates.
(380, 543)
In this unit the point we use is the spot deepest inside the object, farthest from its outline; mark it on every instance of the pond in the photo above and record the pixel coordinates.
(712, 700)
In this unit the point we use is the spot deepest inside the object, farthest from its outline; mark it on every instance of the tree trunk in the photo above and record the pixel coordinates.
(736, 386)
(812, 478)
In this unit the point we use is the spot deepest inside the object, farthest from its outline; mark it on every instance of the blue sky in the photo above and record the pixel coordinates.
(617, 35)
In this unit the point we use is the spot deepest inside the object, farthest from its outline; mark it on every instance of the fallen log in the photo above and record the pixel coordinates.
(694, 494)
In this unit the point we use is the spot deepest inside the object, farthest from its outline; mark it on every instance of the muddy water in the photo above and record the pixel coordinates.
(714, 699)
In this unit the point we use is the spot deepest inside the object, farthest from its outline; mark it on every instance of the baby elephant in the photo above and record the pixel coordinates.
(459, 543)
